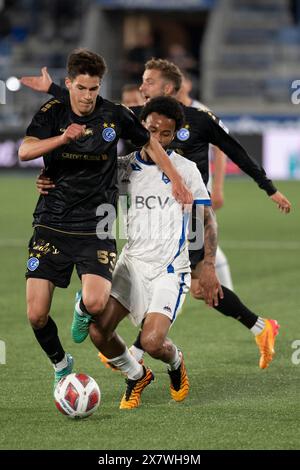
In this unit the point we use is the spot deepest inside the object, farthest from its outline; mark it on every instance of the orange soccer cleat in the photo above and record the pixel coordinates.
(265, 342)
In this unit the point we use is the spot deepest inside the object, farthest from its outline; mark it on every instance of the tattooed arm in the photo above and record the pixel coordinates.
(208, 283)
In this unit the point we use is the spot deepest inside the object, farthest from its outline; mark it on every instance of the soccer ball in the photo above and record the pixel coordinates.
(77, 395)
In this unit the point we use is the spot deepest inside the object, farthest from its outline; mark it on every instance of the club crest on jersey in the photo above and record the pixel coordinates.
(109, 133)
(183, 134)
(33, 263)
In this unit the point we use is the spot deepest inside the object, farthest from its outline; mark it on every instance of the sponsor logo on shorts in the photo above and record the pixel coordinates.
(33, 263)
(167, 308)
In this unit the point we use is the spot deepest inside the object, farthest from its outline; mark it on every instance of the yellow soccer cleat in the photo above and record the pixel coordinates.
(132, 397)
(265, 342)
(180, 385)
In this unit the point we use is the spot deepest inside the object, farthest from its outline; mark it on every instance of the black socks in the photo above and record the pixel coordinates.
(49, 341)
(231, 306)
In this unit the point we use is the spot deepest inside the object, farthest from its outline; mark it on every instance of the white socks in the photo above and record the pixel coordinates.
(258, 327)
(128, 365)
(176, 361)
(61, 365)
(137, 352)
(223, 270)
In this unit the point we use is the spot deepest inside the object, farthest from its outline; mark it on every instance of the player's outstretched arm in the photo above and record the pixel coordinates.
(282, 202)
(160, 157)
(32, 147)
(39, 83)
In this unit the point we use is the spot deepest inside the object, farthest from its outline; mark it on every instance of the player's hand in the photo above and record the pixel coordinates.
(181, 193)
(73, 132)
(217, 199)
(209, 284)
(41, 83)
(44, 183)
(282, 202)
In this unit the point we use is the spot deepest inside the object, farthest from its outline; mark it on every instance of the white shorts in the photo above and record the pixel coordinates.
(135, 287)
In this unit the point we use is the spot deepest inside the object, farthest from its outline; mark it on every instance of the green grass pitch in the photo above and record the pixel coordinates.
(232, 403)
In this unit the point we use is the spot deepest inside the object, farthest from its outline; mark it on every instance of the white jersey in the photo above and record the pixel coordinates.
(156, 222)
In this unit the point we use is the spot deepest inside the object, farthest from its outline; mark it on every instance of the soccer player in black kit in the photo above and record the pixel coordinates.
(201, 128)
(78, 140)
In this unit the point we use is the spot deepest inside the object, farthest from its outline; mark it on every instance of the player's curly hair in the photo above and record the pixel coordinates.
(166, 106)
(83, 61)
(168, 70)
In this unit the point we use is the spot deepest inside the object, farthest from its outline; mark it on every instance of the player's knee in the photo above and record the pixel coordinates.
(94, 304)
(151, 344)
(36, 319)
(37, 314)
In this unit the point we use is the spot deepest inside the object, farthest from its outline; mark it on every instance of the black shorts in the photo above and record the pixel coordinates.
(53, 255)
(196, 256)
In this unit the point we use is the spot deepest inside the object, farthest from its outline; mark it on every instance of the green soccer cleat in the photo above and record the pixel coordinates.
(66, 371)
(80, 324)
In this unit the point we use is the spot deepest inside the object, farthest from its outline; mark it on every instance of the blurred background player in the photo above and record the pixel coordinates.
(131, 95)
(216, 182)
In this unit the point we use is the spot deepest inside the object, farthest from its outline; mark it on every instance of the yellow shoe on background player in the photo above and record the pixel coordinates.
(180, 385)
(132, 397)
(265, 342)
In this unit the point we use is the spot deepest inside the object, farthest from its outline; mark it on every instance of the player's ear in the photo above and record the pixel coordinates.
(168, 88)
(68, 83)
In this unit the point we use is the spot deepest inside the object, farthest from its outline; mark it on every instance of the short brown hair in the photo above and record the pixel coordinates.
(85, 62)
(168, 70)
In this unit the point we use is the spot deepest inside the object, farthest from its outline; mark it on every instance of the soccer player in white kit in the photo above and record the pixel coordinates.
(152, 275)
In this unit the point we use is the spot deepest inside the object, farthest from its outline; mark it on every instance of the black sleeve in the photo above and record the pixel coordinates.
(42, 123)
(132, 129)
(59, 93)
(213, 128)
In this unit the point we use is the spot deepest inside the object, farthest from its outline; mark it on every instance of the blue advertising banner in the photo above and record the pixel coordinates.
(158, 4)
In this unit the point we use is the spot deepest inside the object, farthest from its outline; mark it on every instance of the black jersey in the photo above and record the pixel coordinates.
(202, 128)
(84, 171)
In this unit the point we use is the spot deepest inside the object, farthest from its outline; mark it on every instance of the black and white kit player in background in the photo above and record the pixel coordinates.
(201, 128)
(216, 181)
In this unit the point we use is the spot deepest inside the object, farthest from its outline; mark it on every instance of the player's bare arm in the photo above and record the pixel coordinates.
(32, 147)
(217, 194)
(159, 156)
(209, 284)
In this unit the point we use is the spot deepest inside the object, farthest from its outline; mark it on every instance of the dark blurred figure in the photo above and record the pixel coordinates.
(138, 56)
(5, 22)
(180, 56)
(131, 95)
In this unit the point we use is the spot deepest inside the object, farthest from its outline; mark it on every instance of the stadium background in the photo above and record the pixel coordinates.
(243, 57)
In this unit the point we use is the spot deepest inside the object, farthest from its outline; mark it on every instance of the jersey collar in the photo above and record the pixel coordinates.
(139, 158)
